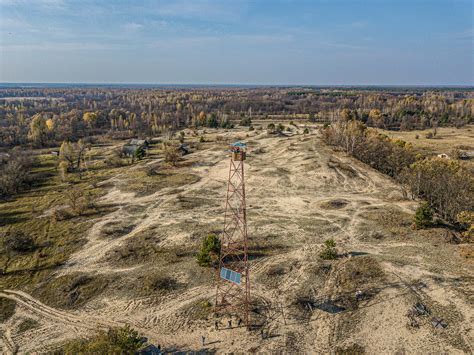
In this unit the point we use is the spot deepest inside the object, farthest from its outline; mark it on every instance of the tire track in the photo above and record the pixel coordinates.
(64, 317)
(8, 344)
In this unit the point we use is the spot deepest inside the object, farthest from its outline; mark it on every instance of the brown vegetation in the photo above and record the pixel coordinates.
(448, 185)
(123, 113)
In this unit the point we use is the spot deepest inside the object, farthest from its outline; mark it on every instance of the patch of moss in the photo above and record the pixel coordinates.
(159, 284)
(27, 324)
(362, 275)
(7, 309)
(354, 349)
(142, 184)
(70, 291)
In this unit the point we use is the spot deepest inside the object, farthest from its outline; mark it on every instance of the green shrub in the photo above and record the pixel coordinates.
(212, 121)
(251, 128)
(329, 252)
(210, 250)
(225, 123)
(246, 121)
(115, 341)
(423, 216)
(271, 127)
(139, 153)
(306, 131)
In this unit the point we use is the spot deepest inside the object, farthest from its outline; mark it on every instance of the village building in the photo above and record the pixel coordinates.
(135, 147)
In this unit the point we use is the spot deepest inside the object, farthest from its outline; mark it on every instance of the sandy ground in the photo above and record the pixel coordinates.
(300, 193)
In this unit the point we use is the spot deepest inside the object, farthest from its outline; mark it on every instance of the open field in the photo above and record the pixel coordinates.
(446, 140)
(131, 259)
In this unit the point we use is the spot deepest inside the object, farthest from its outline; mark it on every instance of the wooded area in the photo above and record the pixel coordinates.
(48, 116)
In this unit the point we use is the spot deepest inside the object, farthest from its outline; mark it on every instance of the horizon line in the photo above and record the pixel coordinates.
(229, 84)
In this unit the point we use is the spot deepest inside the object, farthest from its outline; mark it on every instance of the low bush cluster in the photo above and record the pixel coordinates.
(423, 216)
(14, 172)
(114, 341)
(329, 252)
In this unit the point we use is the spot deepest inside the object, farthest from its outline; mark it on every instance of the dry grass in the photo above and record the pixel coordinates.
(71, 291)
(142, 184)
(447, 138)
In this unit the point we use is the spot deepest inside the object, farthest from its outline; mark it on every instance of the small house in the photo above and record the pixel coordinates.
(133, 150)
(466, 155)
(140, 142)
(183, 149)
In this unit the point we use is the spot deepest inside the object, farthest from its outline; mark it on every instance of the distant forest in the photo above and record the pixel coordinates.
(43, 117)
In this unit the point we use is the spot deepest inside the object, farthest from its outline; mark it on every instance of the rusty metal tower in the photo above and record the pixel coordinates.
(233, 283)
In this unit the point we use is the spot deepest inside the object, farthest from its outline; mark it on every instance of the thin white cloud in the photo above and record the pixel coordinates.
(221, 11)
(60, 47)
(463, 35)
(33, 3)
(359, 24)
(202, 41)
(132, 27)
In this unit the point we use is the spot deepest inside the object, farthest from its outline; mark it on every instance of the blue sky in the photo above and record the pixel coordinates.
(320, 42)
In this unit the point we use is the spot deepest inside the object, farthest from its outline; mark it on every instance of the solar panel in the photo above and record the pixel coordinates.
(230, 275)
(239, 144)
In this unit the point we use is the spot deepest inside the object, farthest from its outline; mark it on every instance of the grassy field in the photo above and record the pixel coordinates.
(446, 140)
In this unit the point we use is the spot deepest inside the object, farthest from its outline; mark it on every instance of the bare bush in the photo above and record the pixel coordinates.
(171, 153)
(15, 172)
(114, 160)
(18, 242)
(80, 201)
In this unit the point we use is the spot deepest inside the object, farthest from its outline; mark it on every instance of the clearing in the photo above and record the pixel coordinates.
(135, 262)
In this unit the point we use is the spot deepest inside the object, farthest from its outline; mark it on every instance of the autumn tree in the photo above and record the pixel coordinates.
(38, 132)
(376, 118)
(72, 157)
(90, 118)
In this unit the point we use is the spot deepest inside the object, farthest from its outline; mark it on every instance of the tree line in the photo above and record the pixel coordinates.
(447, 185)
(45, 116)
